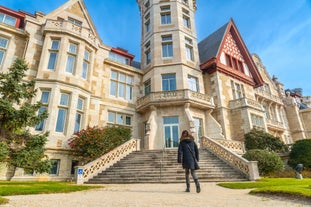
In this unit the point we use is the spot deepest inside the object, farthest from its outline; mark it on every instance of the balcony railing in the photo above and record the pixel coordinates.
(244, 102)
(268, 96)
(175, 97)
(66, 26)
(275, 124)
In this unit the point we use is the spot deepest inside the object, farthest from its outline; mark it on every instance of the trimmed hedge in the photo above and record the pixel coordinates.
(268, 162)
(257, 139)
(91, 143)
(301, 154)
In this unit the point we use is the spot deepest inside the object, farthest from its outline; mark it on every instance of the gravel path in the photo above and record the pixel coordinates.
(153, 195)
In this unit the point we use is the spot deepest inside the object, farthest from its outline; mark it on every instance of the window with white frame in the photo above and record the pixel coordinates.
(167, 46)
(55, 167)
(147, 22)
(86, 64)
(193, 83)
(198, 123)
(189, 49)
(121, 85)
(168, 82)
(186, 18)
(6, 19)
(119, 58)
(79, 114)
(166, 15)
(71, 57)
(119, 118)
(147, 87)
(63, 108)
(147, 53)
(45, 96)
(3, 47)
(257, 121)
(237, 90)
(53, 54)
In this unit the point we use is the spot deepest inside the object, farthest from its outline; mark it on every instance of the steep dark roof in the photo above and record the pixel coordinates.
(208, 48)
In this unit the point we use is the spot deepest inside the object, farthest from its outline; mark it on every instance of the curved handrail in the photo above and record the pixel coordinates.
(248, 168)
(86, 172)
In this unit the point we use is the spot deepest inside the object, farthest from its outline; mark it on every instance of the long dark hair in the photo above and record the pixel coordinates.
(185, 134)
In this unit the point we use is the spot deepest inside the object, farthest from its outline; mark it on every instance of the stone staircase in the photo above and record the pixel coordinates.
(157, 166)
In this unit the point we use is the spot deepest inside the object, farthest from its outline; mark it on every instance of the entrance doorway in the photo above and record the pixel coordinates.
(171, 131)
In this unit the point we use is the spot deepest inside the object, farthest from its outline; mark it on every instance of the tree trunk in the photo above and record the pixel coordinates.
(10, 173)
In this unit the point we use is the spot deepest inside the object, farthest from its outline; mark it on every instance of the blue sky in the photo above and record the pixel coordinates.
(279, 31)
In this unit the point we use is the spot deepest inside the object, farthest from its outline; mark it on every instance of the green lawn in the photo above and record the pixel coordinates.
(24, 188)
(279, 186)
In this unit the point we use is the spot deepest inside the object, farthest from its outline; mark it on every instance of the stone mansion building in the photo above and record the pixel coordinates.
(214, 88)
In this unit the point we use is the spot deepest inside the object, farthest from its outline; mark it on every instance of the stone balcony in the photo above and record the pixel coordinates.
(174, 98)
(276, 125)
(245, 102)
(64, 26)
(268, 96)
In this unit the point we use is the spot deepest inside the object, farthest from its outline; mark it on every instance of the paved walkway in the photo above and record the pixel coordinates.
(153, 195)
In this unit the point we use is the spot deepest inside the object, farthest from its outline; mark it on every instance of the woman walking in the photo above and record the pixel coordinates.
(188, 155)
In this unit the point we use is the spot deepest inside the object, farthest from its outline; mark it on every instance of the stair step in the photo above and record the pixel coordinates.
(156, 166)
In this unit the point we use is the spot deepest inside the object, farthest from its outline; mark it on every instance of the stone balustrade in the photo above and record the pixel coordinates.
(91, 169)
(66, 26)
(244, 102)
(268, 96)
(180, 96)
(248, 168)
(236, 146)
(274, 123)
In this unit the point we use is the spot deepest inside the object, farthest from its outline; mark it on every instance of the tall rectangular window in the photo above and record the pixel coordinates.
(6, 19)
(167, 46)
(189, 49)
(45, 95)
(171, 131)
(147, 53)
(168, 82)
(198, 127)
(186, 18)
(237, 90)
(62, 112)
(121, 85)
(147, 22)
(71, 58)
(147, 87)
(86, 63)
(166, 15)
(3, 47)
(53, 54)
(79, 114)
(55, 167)
(193, 83)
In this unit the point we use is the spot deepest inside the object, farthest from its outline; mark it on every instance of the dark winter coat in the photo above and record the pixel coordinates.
(184, 155)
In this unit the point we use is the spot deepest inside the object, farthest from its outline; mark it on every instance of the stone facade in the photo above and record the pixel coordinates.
(83, 82)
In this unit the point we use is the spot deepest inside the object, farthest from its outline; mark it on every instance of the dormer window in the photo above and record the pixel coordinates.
(75, 22)
(119, 58)
(6, 19)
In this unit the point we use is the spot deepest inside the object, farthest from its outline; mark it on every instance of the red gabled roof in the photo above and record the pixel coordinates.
(20, 16)
(212, 47)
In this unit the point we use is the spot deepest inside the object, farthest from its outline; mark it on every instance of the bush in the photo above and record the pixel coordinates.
(268, 162)
(301, 154)
(91, 143)
(257, 139)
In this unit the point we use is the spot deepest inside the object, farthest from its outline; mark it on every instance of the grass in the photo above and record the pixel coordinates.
(8, 188)
(285, 187)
